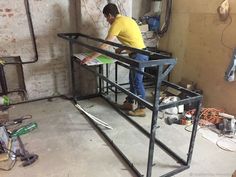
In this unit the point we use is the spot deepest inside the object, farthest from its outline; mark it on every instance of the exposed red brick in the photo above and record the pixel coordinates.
(10, 15)
(7, 10)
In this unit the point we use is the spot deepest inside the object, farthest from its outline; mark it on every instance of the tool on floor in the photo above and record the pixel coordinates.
(228, 124)
(182, 119)
(93, 118)
(25, 156)
(25, 129)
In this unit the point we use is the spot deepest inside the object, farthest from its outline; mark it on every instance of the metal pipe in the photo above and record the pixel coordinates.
(32, 34)
(147, 134)
(3, 80)
(145, 52)
(38, 99)
(134, 96)
(154, 121)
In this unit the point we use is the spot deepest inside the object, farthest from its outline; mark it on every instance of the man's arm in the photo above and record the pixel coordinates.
(96, 54)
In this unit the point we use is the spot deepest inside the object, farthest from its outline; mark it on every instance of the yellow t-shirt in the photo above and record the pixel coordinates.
(127, 32)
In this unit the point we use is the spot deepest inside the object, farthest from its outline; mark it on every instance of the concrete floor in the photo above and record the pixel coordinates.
(68, 146)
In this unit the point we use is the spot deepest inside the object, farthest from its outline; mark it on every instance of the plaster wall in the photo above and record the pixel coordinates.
(140, 7)
(203, 47)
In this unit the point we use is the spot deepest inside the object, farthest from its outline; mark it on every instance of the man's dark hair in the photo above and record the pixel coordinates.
(110, 8)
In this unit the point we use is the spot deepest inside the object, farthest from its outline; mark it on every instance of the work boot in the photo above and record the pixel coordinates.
(139, 112)
(126, 106)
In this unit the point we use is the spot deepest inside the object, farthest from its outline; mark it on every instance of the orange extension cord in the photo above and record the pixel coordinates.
(210, 115)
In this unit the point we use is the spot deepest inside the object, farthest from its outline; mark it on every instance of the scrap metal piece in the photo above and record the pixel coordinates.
(93, 118)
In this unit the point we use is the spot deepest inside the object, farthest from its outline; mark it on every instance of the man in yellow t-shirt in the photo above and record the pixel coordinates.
(126, 30)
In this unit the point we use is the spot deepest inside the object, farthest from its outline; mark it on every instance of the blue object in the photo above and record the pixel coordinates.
(154, 23)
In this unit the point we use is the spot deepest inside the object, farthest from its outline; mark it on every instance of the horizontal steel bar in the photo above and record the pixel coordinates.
(135, 69)
(145, 52)
(153, 63)
(180, 102)
(87, 96)
(176, 171)
(108, 53)
(147, 134)
(182, 89)
(132, 95)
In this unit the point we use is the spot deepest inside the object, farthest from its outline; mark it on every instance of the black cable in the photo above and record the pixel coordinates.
(32, 34)
(13, 161)
(10, 167)
(222, 34)
(217, 142)
(164, 29)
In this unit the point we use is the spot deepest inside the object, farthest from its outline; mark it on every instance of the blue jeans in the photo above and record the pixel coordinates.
(136, 80)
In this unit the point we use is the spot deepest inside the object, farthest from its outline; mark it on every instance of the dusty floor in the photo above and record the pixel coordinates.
(68, 146)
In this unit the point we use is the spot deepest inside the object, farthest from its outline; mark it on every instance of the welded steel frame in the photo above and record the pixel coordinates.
(160, 60)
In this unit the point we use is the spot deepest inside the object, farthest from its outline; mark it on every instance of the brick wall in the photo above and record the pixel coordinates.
(49, 75)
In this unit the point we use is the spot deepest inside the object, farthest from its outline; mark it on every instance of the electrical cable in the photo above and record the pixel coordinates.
(10, 167)
(32, 34)
(166, 23)
(13, 161)
(224, 148)
(217, 142)
(222, 34)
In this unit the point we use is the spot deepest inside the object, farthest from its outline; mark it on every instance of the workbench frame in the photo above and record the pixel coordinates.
(164, 64)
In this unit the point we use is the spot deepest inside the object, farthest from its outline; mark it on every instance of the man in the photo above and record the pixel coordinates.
(126, 30)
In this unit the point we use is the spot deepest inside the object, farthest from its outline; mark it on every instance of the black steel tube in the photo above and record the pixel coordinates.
(194, 97)
(135, 69)
(176, 171)
(107, 75)
(32, 34)
(72, 68)
(3, 80)
(77, 98)
(154, 122)
(180, 102)
(132, 62)
(31, 27)
(105, 52)
(145, 52)
(116, 80)
(194, 132)
(132, 95)
(115, 147)
(100, 81)
(147, 134)
(182, 89)
(38, 99)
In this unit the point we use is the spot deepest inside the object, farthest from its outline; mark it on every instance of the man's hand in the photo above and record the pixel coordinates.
(118, 50)
(86, 59)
